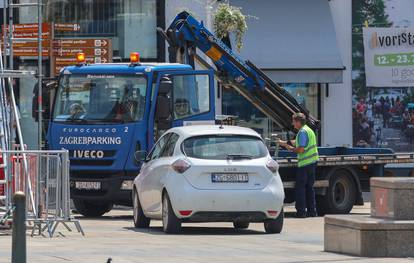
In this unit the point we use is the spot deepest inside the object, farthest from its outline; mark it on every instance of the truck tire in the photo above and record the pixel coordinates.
(171, 224)
(92, 209)
(274, 226)
(340, 196)
(140, 220)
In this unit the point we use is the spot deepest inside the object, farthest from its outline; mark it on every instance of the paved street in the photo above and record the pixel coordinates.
(113, 236)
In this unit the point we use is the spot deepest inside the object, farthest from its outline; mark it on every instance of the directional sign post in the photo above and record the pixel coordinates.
(65, 50)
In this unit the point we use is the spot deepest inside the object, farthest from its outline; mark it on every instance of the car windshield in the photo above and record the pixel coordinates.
(100, 98)
(222, 147)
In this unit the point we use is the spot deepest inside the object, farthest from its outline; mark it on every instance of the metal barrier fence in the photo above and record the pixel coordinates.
(44, 178)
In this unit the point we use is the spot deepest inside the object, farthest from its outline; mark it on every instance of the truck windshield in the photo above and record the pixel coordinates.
(100, 98)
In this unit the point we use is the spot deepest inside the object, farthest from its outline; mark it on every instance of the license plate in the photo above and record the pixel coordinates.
(229, 177)
(88, 185)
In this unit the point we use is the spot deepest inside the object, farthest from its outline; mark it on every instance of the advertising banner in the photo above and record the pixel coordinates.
(389, 57)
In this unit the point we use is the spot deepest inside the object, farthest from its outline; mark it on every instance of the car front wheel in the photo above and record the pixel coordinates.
(274, 226)
(140, 220)
(171, 224)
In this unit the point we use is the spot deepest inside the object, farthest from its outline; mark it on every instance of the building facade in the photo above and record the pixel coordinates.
(304, 45)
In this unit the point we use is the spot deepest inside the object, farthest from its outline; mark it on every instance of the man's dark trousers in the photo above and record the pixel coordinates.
(304, 192)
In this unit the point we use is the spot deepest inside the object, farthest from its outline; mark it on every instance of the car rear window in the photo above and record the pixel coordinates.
(222, 147)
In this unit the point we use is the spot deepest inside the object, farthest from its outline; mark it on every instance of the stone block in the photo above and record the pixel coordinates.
(392, 198)
(362, 235)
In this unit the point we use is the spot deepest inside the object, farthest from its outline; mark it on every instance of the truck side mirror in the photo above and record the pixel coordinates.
(140, 156)
(165, 86)
(164, 106)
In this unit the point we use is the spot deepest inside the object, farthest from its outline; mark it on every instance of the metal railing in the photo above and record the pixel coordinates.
(46, 180)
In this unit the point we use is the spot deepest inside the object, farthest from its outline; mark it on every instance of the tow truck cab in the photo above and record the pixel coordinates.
(104, 113)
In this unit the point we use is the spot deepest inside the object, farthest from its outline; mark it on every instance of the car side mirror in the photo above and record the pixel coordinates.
(141, 156)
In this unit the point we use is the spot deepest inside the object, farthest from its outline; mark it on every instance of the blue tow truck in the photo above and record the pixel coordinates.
(105, 113)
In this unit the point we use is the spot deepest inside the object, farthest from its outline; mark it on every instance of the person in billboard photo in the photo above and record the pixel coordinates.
(382, 86)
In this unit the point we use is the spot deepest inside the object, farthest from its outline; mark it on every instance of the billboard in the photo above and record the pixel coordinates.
(383, 74)
(389, 56)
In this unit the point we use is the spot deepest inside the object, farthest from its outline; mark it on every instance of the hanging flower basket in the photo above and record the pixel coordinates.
(229, 19)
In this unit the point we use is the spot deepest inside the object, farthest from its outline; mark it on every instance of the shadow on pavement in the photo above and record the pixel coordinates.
(189, 230)
(105, 218)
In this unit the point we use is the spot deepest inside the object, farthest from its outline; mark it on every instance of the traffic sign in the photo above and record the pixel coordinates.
(95, 50)
(32, 44)
(71, 52)
(81, 42)
(61, 62)
(29, 51)
(66, 27)
(28, 30)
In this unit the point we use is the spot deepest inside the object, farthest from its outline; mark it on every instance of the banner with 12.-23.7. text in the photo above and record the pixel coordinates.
(389, 57)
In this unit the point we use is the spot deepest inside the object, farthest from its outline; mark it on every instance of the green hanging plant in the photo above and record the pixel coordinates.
(229, 19)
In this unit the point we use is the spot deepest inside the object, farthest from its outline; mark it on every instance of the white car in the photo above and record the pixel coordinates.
(208, 174)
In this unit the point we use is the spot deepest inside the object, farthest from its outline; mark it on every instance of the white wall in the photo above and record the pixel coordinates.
(337, 108)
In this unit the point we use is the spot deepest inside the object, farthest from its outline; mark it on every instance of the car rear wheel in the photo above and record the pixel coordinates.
(92, 209)
(140, 220)
(241, 225)
(274, 226)
(171, 224)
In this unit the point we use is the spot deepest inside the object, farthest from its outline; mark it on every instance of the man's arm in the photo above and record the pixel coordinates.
(300, 148)
(294, 149)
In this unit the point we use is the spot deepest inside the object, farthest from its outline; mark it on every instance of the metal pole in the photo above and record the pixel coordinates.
(19, 228)
(10, 36)
(39, 80)
(5, 35)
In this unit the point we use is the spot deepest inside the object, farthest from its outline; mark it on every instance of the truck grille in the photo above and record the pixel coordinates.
(92, 162)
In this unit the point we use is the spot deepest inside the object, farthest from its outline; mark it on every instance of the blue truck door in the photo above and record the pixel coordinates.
(191, 99)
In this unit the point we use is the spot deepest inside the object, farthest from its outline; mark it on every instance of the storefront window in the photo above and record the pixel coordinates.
(306, 95)
(131, 24)
(249, 116)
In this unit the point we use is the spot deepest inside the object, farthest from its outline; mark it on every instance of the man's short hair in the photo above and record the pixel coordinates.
(300, 117)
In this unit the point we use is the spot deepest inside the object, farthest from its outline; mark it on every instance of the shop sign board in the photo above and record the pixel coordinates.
(389, 57)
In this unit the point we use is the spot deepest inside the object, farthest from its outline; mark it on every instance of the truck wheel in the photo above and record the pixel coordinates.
(92, 209)
(274, 226)
(140, 220)
(171, 224)
(241, 225)
(340, 196)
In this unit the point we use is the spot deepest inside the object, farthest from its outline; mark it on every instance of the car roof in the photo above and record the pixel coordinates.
(200, 130)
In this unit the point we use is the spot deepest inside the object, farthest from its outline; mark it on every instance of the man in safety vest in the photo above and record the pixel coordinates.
(305, 146)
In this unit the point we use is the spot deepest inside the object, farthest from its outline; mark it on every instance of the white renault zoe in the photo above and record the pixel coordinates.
(208, 174)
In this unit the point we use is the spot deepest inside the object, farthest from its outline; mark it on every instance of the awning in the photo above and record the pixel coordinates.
(293, 41)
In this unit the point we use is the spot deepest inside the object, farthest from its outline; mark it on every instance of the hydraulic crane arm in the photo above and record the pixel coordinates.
(185, 34)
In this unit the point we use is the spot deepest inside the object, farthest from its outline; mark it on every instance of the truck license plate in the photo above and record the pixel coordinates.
(88, 185)
(229, 177)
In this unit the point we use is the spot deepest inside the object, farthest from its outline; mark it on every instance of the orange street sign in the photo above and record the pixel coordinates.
(79, 42)
(29, 52)
(92, 52)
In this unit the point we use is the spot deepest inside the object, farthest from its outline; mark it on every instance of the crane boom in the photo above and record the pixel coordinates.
(185, 35)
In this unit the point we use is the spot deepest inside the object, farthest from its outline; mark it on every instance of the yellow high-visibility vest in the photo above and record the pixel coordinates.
(310, 155)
